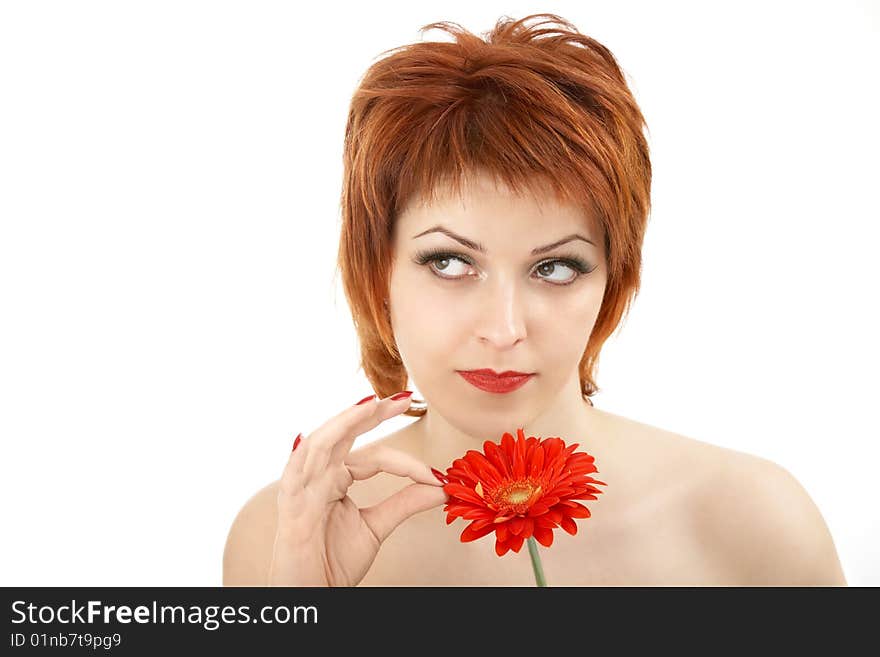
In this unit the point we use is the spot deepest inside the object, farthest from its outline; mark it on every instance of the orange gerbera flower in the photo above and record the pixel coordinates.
(520, 488)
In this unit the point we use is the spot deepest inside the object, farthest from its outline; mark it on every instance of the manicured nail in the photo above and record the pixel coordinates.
(365, 400)
(402, 395)
(297, 442)
(442, 478)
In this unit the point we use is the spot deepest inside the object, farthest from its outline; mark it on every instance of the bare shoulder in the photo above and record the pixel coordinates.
(248, 551)
(652, 456)
(764, 527)
(749, 519)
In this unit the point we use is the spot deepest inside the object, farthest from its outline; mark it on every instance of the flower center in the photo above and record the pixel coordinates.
(516, 497)
(518, 493)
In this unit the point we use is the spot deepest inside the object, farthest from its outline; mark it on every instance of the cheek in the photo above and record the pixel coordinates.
(566, 330)
(423, 314)
(584, 306)
(426, 332)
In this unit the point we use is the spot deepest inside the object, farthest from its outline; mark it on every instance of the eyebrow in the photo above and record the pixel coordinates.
(479, 247)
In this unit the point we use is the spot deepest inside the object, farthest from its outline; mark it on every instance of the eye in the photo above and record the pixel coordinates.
(442, 262)
(553, 266)
(441, 265)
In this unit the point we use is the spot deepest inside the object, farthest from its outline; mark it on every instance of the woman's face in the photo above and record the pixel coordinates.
(506, 308)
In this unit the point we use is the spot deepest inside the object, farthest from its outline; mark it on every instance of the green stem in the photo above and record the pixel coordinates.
(536, 562)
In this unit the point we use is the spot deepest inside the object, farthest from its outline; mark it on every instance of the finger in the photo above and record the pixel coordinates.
(336, 479)
(333, 484)
(342, 430)
(291, 478)
(384, 517)
(387, 408)
(367, 462)
(304, 507)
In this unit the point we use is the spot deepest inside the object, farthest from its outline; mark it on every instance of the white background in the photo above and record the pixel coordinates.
(169, 195)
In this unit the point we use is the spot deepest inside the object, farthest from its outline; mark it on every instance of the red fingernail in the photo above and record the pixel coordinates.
(365, 400)
(442, 478)
(402, 395)
(297, 441)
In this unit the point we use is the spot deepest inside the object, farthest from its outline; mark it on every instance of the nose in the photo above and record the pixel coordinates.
(501, 316)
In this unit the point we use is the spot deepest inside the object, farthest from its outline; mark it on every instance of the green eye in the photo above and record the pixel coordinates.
(547, 267)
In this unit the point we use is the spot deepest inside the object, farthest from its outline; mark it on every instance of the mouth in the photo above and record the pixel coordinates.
(496, 382)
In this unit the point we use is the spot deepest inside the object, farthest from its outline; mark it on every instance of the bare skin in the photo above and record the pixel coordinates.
(663, 520)
(518, 287)
(631, 538)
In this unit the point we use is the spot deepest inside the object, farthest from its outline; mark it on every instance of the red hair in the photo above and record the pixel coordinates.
(534, 107)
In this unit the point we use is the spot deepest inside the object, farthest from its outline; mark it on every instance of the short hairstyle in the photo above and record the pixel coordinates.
(538, 108)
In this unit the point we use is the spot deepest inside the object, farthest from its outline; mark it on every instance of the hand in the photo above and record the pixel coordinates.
(322, 537)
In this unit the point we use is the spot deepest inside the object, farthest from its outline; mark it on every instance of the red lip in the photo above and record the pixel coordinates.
(489, 381)
(494, 373)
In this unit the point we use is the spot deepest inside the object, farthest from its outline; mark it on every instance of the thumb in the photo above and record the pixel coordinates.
(384, 517)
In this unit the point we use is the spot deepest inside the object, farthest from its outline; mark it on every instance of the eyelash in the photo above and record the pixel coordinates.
(432, 255)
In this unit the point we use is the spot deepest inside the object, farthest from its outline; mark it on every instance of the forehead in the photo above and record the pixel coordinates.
(485, 205)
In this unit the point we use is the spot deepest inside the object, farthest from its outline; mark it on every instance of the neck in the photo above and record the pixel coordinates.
(440, 440)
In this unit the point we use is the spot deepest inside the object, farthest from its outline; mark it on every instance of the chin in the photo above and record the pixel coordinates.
(491, 424)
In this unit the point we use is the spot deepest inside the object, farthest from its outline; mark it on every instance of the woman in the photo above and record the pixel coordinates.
(495, 199)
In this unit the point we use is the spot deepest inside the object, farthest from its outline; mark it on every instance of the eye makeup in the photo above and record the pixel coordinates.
(572, 261)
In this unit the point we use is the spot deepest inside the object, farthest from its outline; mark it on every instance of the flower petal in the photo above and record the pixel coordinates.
(462, 492)
(577, 510)
(519, 456)
(474, 512)
(553, 448)
(545, 521)
(459, 506)
(581, 468)
(516, 525)
(556, 475)
(516, 543)
(544, 536)
(537, 462)
(458, 476)
(496, 456)
(471, 534)
(569, 525)
(538, 509)
(560, 491)
(471, 467)
(484, 467)
(583, 496)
